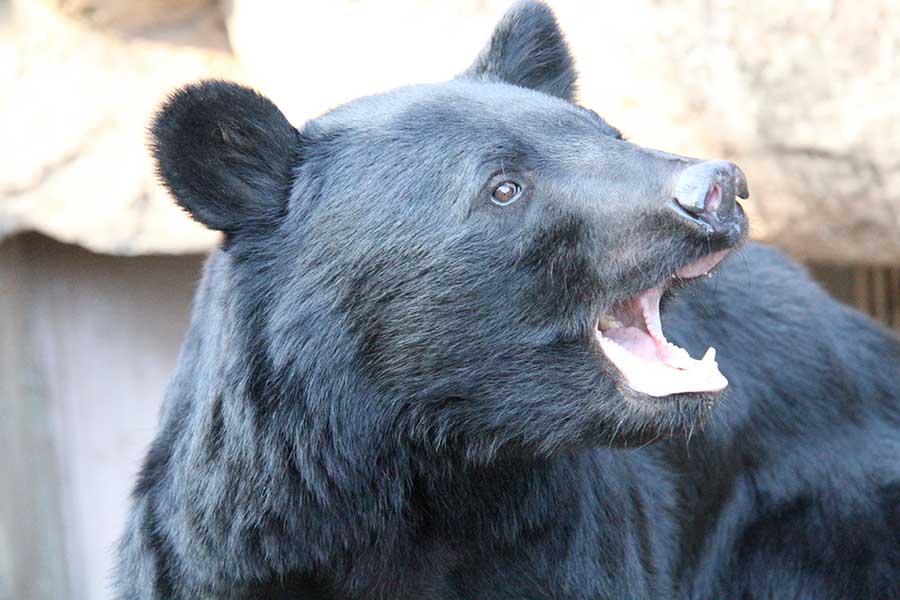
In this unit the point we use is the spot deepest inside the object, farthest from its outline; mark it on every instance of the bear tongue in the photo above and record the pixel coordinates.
(647, 360)
(635, 341)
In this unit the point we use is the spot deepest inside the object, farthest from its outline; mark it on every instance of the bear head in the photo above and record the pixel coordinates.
(475, 265)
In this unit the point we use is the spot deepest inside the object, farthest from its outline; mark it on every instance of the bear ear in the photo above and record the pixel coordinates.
(528, 49)
(226, 154)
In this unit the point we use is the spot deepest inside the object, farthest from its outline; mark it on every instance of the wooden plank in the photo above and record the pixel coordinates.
(894, 297)
(861, 289)
(880, 294)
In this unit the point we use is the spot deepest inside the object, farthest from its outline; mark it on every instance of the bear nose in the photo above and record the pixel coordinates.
(706, 190)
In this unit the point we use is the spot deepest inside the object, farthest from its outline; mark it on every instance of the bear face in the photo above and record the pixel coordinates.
(476, 264)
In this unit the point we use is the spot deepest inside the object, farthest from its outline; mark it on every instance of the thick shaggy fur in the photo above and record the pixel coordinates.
(391, 387)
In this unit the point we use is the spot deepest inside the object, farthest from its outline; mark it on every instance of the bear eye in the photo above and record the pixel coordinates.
(506, 193)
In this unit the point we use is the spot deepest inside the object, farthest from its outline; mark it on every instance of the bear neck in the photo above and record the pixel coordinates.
(284, 456)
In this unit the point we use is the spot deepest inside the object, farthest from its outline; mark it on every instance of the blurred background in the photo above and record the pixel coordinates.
(98, 268)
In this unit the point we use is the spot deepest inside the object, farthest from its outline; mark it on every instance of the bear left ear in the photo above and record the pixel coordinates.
(528, 49)
(226, 153)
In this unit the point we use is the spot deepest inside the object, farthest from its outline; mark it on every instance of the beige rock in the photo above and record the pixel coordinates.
(73, 112)
(804, 95)
(312, 56)
(130, 16)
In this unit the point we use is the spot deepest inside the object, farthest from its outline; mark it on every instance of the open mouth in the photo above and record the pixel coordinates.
(631, 336)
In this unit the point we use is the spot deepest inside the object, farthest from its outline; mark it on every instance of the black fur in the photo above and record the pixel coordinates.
(225, 153)
(528, 49)
(391, 388)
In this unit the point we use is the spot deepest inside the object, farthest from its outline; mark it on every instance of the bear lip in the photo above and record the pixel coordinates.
(630, 335)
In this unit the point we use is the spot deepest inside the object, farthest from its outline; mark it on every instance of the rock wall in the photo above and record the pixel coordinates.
(804, 95)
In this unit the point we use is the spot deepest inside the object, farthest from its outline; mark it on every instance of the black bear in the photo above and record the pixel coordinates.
(428, 361)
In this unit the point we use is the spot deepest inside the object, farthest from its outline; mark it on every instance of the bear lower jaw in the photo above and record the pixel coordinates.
(631, 337)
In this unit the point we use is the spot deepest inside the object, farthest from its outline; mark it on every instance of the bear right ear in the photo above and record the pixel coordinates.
(226, 153)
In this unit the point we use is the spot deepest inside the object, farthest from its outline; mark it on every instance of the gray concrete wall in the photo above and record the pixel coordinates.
(32, 542)
(87, 343)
